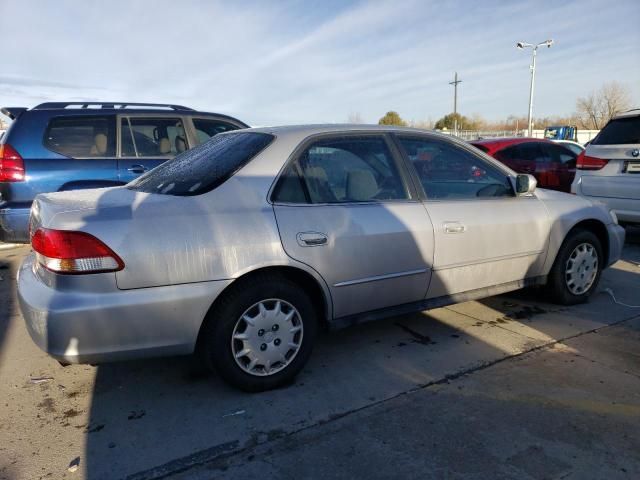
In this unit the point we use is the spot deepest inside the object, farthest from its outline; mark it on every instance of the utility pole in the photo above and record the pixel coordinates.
(455, 102)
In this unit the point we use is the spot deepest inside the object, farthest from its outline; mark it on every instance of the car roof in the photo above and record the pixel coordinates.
(509, 140)
(629, 113)
(98, 108)
(495, 144)
(300, 132)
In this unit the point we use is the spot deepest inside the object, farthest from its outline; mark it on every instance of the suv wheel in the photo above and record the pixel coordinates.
(260, 334)
(577, 268)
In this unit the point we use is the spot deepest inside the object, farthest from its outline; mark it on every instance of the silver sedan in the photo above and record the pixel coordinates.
(241, 249)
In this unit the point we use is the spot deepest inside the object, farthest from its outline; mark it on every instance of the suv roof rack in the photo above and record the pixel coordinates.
(108, 105)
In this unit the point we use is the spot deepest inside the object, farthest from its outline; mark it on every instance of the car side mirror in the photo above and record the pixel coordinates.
(525, 184)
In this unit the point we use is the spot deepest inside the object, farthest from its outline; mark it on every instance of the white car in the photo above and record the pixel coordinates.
(575, 147)
(609, 169)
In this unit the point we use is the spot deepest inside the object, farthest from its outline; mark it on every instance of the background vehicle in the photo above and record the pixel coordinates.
(73, 145)
(296, 228)
(552, 164)
(575, 147)
(561, 132)
(609, 169)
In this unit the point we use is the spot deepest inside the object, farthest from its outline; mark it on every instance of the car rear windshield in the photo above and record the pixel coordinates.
(204, 167)
(620, 131)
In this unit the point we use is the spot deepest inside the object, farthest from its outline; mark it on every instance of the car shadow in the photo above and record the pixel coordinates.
(151, 417)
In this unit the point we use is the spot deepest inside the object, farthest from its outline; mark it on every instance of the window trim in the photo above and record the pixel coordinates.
(119, 117)
(83, 157)
(470, 149)
(405, 176)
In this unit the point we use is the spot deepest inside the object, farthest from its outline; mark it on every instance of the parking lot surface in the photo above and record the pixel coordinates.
(506, 387)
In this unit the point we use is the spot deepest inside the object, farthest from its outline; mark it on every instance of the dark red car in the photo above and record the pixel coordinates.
(553, 165)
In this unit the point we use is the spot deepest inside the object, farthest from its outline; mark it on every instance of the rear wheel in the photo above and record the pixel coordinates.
(576, 271)
(261, 333)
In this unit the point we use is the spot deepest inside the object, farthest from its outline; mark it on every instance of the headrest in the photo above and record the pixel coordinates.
(361, 185)
(100, 144)
(165, 146)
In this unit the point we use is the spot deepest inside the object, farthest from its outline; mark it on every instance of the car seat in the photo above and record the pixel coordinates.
(181, 144)
(361, 185)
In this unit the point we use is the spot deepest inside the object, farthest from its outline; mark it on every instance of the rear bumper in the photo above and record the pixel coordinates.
(90, 327)
(616, 242)
(14, 224)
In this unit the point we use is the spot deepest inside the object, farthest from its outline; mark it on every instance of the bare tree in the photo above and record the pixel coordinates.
(422, 124)
(597, 108)
(355, 117)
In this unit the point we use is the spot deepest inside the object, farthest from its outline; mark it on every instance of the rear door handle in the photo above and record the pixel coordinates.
(311, 239)
(137, 169)
(454, 227)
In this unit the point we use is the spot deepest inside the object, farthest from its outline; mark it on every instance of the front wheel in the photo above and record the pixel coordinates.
(577, 268)
(261, 333)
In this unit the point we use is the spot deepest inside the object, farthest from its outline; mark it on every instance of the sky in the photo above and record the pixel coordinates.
(285, 62)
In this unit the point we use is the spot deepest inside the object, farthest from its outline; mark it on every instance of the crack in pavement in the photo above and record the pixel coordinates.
(217, 453)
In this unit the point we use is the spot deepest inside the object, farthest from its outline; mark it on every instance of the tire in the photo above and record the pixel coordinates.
(257, 300)
(576, 254)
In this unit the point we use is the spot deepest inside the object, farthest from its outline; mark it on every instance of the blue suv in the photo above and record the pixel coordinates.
(76, 145)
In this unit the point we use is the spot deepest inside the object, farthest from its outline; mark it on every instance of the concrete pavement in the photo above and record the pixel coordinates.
(158, 418)
(567, 411)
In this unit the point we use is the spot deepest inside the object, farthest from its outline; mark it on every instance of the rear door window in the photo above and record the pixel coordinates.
(620, 131)
(526, 152)
(342, 170)
(151, 137)
(207, 128)
(561, 155)
(204, 167)
(82, 136)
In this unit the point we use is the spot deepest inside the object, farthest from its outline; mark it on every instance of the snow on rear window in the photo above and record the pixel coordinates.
(204, 167)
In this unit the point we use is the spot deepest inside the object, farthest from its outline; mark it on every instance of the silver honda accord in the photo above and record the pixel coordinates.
(241, 249)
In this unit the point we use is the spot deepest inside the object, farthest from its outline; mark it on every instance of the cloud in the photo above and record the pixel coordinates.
(293, 62)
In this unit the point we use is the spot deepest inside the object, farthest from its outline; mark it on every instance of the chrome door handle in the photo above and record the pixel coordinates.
(311, 239)
(454, 227)
(137, 169)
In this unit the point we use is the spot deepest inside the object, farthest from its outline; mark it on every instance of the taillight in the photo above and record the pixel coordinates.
(64, 251)
(585, 162)
(11, 164)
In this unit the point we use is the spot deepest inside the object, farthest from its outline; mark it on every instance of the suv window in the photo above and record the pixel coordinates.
(151, 137)
(619, 131)
(207, 128)
(342, 170)
(82, 136)
(450, 172)
(204, 167)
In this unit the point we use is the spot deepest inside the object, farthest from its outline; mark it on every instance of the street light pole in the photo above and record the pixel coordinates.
(455, 102)
(533, 81)
(523, 45)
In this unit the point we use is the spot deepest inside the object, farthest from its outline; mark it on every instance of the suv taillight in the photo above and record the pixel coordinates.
(69, 252)
(585, 162)
(11, 164)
